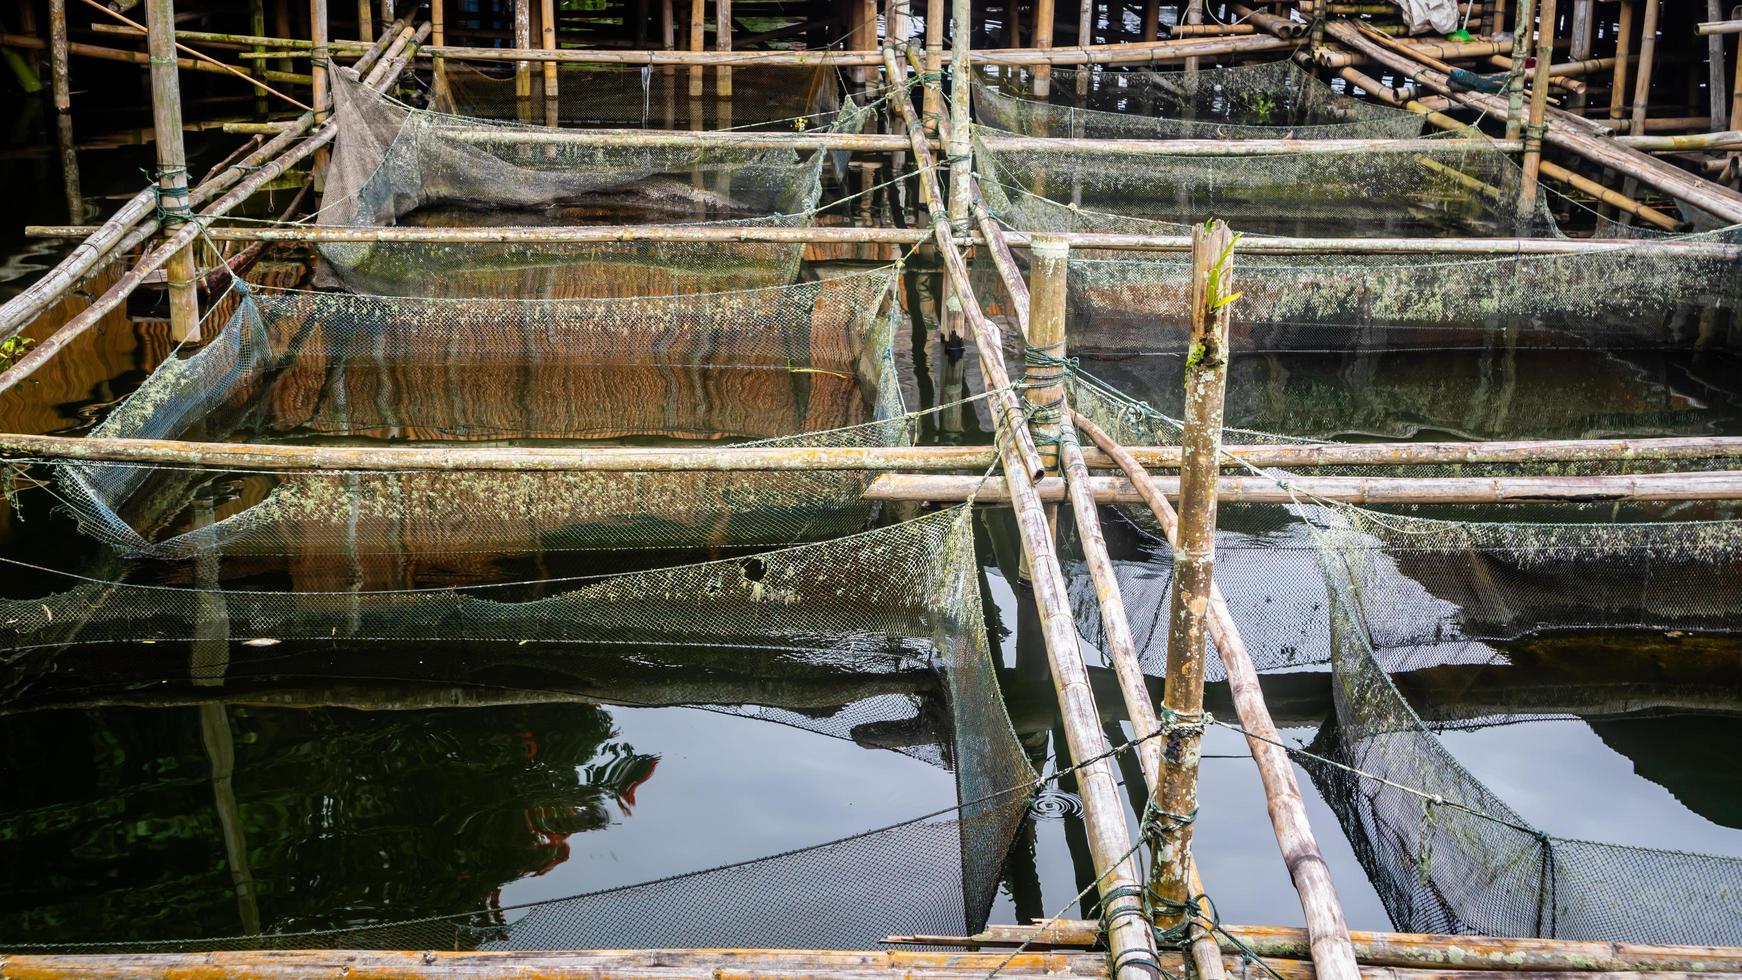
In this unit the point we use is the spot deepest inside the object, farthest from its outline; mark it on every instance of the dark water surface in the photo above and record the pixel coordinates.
(142, 805)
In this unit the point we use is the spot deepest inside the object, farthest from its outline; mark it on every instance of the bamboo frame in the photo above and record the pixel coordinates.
(1533, 130)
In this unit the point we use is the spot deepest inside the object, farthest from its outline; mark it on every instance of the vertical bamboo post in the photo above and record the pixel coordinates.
(723, 42)
(1086, 37)
(365, 20)
(1151, 20)
(668, 24)
(1647, 54)
(934, 64)
(1043, 377)
(57, 55)
(1538, 109)
(547, 25)
(438, 37)
(960, 149)
(257, 67)
(69, 166)
(1194, 15)
(323, 93)
(1515, 87)
(1044, 15)
(172, 169)
(1717, 78)
(1736, 90)
(281, 27)
(896, 22)
(1327, 932)
(1193, 559)
(1623, 53)
(523, 69)
(1584, 35)
(698, 30)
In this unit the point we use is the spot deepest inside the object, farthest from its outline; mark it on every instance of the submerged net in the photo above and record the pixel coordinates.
(1455, 183)
(879, 613)
(1266, 101)
(804, 365)
(646, 97)
(397, 165)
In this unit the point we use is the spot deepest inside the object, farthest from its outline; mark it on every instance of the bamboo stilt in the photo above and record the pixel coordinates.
(523, 69)
(322, 92)
(365, 20)
(1129, 938)
(438, 37)
(934, 64)
(57, 55)
(1045, 329)
(547, 27)
(1045, 14)
(1623, 59)
(172, 172)
(1647, 57)
(961, 154)
(697, 29)
(1533, 130)
(1194, 556)
(257, 24)
(1717, 77)
(69, 164)
(723, 42)
(1515, 89)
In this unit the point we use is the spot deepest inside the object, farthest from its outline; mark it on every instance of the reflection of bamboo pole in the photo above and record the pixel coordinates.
(1328, 933)
(172, 171)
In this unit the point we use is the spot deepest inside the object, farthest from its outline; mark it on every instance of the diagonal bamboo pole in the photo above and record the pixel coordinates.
(1328, 934)
(1129, 938)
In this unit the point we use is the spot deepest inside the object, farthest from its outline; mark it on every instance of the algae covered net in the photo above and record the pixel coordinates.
(1454, 183)
(878, 632)
(1264, 101)
(753, 96)
(398, 165)
(797, 366)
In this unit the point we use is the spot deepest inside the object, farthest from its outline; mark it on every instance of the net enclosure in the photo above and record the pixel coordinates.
(805, 365)
(394, 164)
(888, 621)
(1277, 100)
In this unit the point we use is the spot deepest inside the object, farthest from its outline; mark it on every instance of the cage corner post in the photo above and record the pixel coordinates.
(172, 173)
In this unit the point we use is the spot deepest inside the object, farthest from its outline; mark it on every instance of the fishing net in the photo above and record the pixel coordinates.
(879, 632)
(760, 97)
(397, 165)
(806, 365)
(1453, 183)
(1265, 101)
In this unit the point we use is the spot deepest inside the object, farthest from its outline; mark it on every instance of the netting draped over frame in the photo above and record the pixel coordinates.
(803, 365)
(397, 165)
(1266, 101)
(1455, 183)
(896, 603)
(615, 96)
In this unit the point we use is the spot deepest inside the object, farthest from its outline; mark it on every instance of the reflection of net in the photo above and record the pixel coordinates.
(1266, 101)
(818, 608)
(614, 96)
(1405, 592)
(395, 161)
(1463, 186)
(804, 365)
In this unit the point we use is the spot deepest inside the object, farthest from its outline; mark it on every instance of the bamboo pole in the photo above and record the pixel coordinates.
(1129, 938)
(266, 170)
(57, 55)
(1045, 16)
(1493, 247)
(934, 64)
(1533, 131)
(1408, 950)
(438, 37)
(1328, 934)
(1043, 381)
(547, 29)
(100, 53)
(723, 42)
(173, 202)
(257, 24)
(1717, 77)
(522, 68)
(283, 456)
(1623, 56)
(323, 92)
(1719, 485)
(365, 20)
(203, 57)
(1515, 88)
(697, 9)
(1194, 556)
(1647, 58)
(961, 152)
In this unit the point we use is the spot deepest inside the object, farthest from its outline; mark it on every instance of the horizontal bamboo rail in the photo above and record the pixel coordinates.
(1239, 148)
(275, 456)
(97, 52)
(1719, 27)
(822, 234)
(1405, 950)
(1721, 485)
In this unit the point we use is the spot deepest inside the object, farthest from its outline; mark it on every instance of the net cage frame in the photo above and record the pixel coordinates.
(808, 603)
(815, 368)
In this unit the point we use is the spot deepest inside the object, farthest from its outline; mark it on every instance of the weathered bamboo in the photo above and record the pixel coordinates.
(1208, 30)
(438, 37)
(1647, 58)
(723, 42)
(1533, 130)
(201, 56)
(547, 35)
(1176, 805)
(1328, 934)
(1718, 26)
(1717, 78)
(285, 456)
(1100, 54)
(266, 171)
(961, 150)
(1240, 148)
(57, 55)
(141, 58)
(323, 90)
(1515, 87)
(173, 201)
(1721, 140)
(1720, 485)
(1270, 23)
(1569, 132)
(1623, 57)
(1043, 381)
(934, 63)
(1045, 16)
(1129, 938)
(310, 234)
(697, 29)
(1409, 950)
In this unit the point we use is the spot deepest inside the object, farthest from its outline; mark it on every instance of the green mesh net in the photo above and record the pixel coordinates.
(609, 96)
(397, 165)
(1265, 101)
(803, 365)
(801, 636)
(1454, 183)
